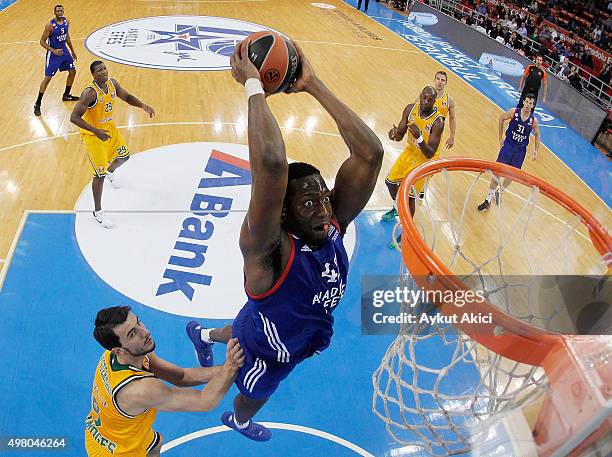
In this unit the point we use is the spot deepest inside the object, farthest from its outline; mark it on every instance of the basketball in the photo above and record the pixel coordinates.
(276, 59)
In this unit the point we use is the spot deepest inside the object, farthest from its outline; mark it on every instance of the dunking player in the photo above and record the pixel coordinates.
(295, 264)
(426, 125)
(128, 389)
(54, 39)
(105, 146)
(514, 146)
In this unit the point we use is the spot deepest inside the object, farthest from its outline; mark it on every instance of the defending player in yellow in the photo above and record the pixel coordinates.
(128, 390)
(426, 125)
(106, 149)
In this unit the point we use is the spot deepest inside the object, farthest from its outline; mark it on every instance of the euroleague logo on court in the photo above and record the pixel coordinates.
(178, 216)
(188, 43)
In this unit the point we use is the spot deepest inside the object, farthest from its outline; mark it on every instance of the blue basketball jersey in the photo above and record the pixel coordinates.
(518, 131)
(294, 319)
(59, 32)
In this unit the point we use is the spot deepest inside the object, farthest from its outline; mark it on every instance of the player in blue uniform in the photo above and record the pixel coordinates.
(295, 264)
(54, 39)
(514, 146)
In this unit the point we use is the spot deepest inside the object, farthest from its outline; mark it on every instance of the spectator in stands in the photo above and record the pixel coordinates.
(511, 24)
(564, 70)
(481, 8)
(574, 79)
(522, 30)
(587, 59)
(513, 41)
(525, 47)
(497, 31)
(605, 74)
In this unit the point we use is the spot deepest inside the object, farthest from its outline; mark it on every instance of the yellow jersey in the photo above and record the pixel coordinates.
(424, 124)
(100, 115)
(442, 103)
(412, 156)
(109, 431)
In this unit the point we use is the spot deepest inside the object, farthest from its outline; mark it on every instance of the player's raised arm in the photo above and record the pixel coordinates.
(357, 176)
(132, 100)
(262, 227)
(397, 132)
(153, 393)
(181, 377)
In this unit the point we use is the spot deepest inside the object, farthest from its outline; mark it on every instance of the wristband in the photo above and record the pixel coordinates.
(253, 86)
(420, 139)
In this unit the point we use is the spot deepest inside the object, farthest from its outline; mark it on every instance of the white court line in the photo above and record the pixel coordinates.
(9, 6)
(32, 41)
(158, 124)
(274, 425)
(362, 46)
(11, 251)
(552, 126)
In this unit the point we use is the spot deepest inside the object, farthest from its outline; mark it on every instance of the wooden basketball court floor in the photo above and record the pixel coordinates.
(43, 168)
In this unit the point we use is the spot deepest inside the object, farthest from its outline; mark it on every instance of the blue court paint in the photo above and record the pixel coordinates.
(47, 306)
(4, 4)
(577, 153)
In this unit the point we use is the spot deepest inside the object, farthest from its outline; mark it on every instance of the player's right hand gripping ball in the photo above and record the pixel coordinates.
(276, 59)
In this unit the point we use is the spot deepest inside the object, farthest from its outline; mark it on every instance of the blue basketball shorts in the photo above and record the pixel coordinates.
(258, 378)
(512, 155)
(53, 63)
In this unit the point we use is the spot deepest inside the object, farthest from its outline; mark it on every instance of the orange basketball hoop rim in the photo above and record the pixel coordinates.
(506, 335)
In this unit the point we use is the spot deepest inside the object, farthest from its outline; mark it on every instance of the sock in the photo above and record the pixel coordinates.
(67, 91)
(240, 425)
(490, 195)
(39, 99)
(205, 335)
(110, 175)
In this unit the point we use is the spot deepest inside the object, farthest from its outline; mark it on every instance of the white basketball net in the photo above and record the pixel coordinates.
(416, 388)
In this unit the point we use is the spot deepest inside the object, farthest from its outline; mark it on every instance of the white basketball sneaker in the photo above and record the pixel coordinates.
(112, 177)
(103, 219)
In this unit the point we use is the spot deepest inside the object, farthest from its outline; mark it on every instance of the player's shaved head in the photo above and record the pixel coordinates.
(429, 90)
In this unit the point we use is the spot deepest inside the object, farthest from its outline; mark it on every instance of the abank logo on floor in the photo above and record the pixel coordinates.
(178, 215)
(188, 43)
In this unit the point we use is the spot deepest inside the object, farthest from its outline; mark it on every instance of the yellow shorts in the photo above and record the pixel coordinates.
(102, 153)
(409, 159)
(95, 449)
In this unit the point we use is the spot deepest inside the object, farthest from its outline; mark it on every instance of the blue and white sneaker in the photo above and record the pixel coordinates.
(203, 350)
(254, 431)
